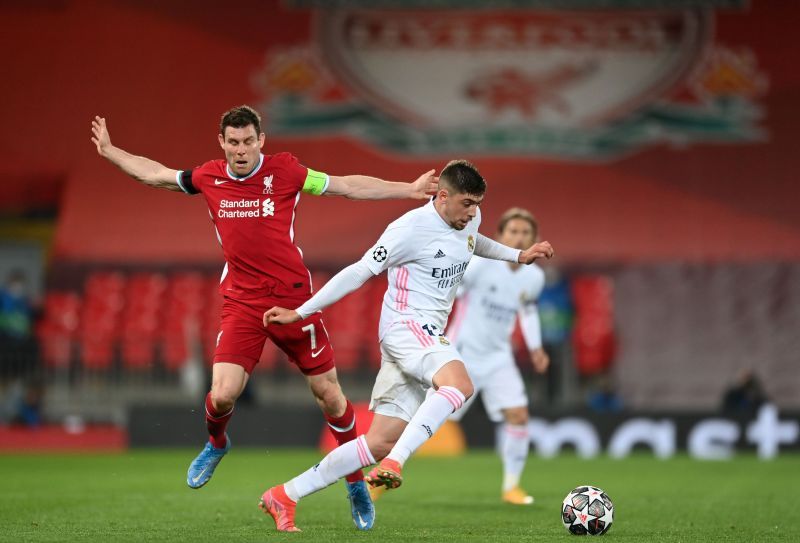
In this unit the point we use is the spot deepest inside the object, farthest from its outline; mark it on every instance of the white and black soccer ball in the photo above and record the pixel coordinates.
(587, 510)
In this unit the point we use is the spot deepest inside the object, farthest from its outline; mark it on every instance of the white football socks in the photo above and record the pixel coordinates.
(429, 417)
(339, 463)
(514, 453)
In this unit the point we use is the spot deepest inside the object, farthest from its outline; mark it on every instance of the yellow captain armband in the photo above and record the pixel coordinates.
(316, 182)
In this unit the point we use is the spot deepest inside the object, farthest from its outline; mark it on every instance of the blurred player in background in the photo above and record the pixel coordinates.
(425, 252)
(252, 199)
(491, 297)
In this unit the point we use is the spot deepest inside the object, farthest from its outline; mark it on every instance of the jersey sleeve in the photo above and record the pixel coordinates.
(489, 248)
(340, 285)
(192, 181)
(186, 183)
(394, 247)
(303, 178)
(316, 183)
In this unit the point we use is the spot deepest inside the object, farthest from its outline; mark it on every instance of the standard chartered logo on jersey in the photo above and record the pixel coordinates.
(241, 209)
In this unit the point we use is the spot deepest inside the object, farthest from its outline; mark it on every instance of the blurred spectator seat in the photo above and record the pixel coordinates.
(104, 299)
(58, 328)
(141, 319)
(183, 308)
(593, 333)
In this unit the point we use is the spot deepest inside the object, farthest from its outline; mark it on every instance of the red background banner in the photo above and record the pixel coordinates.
(162, 75)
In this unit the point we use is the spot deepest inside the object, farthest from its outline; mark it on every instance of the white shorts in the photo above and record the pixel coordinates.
(499, 382)
(409, 360)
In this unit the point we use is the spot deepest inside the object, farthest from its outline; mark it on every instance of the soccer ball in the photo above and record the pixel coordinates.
(587, 510)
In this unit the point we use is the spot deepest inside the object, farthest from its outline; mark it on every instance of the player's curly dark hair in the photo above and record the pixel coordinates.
(461, 176)
(240, 117)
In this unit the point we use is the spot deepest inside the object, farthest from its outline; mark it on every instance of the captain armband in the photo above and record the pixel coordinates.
(316, 183)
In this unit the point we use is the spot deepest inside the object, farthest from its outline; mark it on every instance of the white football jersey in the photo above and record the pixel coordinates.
(491, 297)
(426, 259)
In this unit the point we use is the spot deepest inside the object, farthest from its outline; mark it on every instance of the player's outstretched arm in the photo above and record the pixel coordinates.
(340, 285)
(362, 187)
(142, 169)
(543, 249)
(489, 248)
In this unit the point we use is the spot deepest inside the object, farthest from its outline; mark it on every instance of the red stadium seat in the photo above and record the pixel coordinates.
(97, 354)
(138, 353)
(182, 319)
(174, 352)
(56, 346)
(211, 318)
(593, 330)
(58, 328)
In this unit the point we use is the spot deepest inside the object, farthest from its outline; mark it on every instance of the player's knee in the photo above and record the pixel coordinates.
(517, 416)
(331, 400)
(455, 375)
(223, 399)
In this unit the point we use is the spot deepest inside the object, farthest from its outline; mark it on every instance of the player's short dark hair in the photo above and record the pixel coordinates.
(517, 213)
(240, 117)
(462, 177)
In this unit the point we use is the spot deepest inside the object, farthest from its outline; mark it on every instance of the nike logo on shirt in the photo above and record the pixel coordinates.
(220, 182)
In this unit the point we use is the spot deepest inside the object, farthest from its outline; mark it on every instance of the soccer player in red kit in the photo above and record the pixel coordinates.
(252, 198)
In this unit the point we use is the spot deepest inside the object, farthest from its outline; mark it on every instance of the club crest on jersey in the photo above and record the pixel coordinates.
(380, 253)
(444, 341)
(470, 243)
(268, 184)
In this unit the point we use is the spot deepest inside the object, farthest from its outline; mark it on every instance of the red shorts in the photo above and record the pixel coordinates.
(242, 335)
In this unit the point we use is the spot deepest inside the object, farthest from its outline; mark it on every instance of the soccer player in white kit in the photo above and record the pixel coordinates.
(491, 297)
(426, 252)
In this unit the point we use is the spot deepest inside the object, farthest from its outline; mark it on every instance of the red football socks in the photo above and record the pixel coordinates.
(216, 424)
(343, 430)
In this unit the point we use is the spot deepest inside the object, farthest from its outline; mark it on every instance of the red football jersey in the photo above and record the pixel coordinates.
(254, 219)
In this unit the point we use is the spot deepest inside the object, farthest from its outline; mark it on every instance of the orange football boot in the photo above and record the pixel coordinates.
(517, 496)
(389, 474)
(277, 504)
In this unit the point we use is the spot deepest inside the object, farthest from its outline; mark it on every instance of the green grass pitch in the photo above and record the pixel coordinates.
(142, 496)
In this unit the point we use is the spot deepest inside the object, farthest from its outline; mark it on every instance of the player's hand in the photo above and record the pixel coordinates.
(543, 249)
(101, 138)
(540, 359)
(279, 315)
(425, 186)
